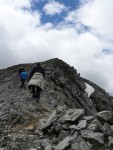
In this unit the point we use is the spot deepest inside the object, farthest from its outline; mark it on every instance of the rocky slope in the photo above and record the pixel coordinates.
(65, 119)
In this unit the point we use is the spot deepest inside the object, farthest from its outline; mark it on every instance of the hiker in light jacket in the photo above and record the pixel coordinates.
(36, 81)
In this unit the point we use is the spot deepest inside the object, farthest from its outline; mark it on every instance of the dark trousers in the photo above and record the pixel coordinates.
(36, 91)
(23, 83)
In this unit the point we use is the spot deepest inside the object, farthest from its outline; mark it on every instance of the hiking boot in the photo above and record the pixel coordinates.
(37, 101)
(33, 96)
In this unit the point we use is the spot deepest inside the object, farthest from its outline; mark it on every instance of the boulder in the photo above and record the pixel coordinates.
(105, 116)
(73, 114)
(93, 137)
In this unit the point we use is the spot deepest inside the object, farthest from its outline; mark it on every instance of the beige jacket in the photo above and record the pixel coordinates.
(37, 79)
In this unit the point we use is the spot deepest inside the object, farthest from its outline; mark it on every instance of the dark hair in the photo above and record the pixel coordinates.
(38, 65)
(22, 68)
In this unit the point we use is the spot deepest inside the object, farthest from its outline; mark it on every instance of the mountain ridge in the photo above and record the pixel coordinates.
(63, 87)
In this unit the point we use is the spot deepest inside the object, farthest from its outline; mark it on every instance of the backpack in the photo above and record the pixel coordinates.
(23, 75)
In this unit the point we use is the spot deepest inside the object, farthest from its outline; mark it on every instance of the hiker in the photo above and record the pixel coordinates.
(29, 87)
(20, 70)
(23, 77)
(36, 81)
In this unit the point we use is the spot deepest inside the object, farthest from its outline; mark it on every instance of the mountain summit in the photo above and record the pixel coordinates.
(73, 113)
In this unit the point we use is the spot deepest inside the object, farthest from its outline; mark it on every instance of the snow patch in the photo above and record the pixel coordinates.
(89, 89)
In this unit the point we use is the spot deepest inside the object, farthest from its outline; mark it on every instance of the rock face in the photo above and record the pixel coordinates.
(65, 119)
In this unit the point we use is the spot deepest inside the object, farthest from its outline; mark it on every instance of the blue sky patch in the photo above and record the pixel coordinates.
(38, 5)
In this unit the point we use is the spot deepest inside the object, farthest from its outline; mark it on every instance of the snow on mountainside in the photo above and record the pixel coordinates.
(89, 89)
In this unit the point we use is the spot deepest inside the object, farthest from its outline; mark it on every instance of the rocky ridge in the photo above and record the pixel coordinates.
(65, 119)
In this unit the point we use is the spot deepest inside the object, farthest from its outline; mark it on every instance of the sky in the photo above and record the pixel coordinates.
(80, 32)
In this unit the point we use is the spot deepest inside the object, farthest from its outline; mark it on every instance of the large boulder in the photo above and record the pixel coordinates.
(105, 116)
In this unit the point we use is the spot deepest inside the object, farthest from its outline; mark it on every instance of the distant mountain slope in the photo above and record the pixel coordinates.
(62, 86)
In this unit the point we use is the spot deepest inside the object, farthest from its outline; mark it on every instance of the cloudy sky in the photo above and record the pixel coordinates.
(80, 32)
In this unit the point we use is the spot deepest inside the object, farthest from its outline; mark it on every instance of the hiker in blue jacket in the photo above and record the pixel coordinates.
(23, 77)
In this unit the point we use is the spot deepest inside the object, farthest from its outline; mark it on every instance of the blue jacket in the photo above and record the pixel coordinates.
(23, 75)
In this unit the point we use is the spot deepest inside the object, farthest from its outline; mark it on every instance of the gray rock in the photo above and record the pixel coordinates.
(88, 118)
(45, 142)
(63, 134)
(51, 118)
(64, 144)
(106, 128)
(80, 144)
(110, 143)
(61, 109)
(93, 137)
(95, 125)
(58, 127)
(105, 116)
(73, 114)
(112, 127)
(73, 127)
(42, 122)
(49, 147)
(66, 126)
(82, 124)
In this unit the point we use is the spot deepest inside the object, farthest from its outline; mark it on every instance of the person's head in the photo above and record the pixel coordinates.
(23, 68)
(38, 65)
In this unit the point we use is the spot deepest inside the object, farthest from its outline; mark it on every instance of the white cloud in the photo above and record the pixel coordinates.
(71, 17)
(54, 7)
(15, 3)
(15, 26)
(96, 14)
